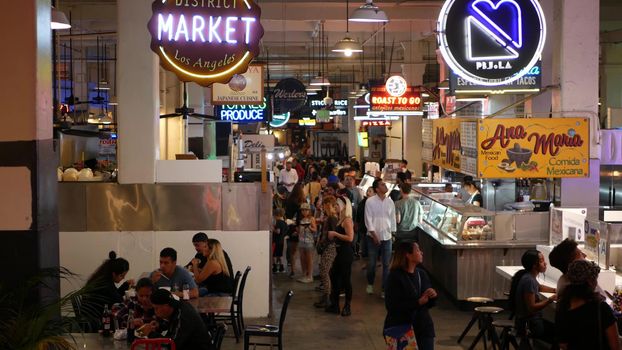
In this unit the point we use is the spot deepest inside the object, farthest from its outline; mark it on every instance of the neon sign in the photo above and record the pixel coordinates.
(243, 113)
(491, 42)
(279, 120)
(382, 100)
(205, 41)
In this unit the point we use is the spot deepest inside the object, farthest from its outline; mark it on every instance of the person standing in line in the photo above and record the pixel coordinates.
(341, 272)
(380, 222)
(307, 229)
(292, 216)
(410, 294)
(279, 232)
(583, 320)
(408, 210)
(327, 248)
(288, 176)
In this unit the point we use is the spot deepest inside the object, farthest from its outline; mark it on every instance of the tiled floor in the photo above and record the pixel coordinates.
(309, 328)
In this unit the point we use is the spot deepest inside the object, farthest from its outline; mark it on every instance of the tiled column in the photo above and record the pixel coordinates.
(413, 72)
(28, 186)
(575, 66)
(138, 83)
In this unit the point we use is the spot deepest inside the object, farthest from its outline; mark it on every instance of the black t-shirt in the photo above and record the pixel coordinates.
(280, 231)
(203, 260)
(579, 327)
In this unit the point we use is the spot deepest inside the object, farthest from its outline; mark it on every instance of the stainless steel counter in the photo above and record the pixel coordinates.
(163, 207)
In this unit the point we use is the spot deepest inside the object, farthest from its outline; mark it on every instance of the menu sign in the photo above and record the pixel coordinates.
(383, 100)
(533, 148)
(446, 143)
(205, 41)
(246, 89)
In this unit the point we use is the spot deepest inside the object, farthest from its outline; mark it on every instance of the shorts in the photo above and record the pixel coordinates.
(277, 251)
(305, 245)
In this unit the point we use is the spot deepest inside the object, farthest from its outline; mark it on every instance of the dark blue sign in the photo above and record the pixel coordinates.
(289, 95)
(491, 42)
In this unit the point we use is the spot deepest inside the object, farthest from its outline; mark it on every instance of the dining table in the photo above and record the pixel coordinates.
(211, 305)
(96, 341)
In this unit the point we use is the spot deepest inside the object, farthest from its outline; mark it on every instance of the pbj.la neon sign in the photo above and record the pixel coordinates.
(205, 41)
(491, 42)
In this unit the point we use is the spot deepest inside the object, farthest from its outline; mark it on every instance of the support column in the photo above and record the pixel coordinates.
(28, 211)
(138, 112)
(540, 106)
(576, 31)
(413, 72)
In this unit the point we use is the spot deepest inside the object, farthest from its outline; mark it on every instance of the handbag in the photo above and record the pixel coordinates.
(400, 337)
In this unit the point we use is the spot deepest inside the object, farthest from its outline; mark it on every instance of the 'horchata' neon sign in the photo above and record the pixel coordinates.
(205, 41)
(491, 42)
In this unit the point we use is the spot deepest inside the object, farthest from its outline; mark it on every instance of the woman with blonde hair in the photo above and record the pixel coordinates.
(341, 272)
(215, 277)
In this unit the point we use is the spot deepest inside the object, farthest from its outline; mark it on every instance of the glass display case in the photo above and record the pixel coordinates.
(458, 221)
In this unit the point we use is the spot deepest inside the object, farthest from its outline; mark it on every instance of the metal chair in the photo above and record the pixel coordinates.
(268, 330)
(486, 313)
(230, 318)
(239, 301)
(153, 344)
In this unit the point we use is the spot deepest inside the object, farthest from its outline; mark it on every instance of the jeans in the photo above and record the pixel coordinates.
(373, 251)
(425, 343)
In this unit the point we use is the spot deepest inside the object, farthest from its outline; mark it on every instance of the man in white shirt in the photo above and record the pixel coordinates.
(288, 176)
(380, 222)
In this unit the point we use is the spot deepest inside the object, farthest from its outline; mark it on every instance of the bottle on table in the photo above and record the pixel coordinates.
(106, 322)
(186, 291)
(130, 327)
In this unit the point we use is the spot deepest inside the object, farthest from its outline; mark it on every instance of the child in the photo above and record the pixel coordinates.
(278, 235)
(307, 229)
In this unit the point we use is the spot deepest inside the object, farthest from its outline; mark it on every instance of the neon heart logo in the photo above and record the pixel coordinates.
(501, 22)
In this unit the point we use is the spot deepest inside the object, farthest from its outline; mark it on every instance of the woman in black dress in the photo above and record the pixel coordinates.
(341, 272)
(409, 294)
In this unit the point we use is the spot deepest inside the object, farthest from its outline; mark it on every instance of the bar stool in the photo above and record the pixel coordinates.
(476, 316)
(485, 315)
(507, 334)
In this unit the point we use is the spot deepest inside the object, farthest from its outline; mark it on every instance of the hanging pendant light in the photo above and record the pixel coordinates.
(348, 45)
(321, 80)
(369, 13)
(59, 20)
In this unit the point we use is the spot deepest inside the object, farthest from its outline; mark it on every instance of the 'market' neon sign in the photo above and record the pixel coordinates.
(205, 41)
(491, 42)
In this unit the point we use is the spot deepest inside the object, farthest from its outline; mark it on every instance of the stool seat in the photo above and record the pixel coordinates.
(488, 309)
(503, 323)
(479, 300)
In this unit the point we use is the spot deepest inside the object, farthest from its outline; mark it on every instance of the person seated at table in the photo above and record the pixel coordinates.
(215, 277)
(143, 310)
(178, 320)
(172, 276)
(199, 241)
(583, 320)
(102, 289)
(525, 301)
(561, 256)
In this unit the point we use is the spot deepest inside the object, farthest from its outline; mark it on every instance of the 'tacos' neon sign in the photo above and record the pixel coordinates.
(205, 41)
(491, 42)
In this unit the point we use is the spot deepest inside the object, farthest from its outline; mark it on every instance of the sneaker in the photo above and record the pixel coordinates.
(281, 268)
(346, 311)
(305, 280)
(382, 295)
(370, 289)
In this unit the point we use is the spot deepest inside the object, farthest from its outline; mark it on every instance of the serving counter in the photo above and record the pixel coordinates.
(463, 244)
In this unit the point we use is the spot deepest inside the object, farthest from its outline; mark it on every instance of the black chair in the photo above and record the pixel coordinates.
(217, 334)
(81, 319)
(230, 318)
(268, 330)
(239, 301)
(507, 335)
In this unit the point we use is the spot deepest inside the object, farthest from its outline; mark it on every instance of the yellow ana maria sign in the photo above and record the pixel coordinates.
(533, 148)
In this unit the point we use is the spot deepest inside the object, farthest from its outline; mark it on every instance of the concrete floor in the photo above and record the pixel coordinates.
(309, 328)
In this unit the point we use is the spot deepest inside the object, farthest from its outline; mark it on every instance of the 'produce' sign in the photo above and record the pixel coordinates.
(205, 41)
(533, 148)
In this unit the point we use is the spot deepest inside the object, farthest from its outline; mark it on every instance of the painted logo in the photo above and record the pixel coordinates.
(491, 42)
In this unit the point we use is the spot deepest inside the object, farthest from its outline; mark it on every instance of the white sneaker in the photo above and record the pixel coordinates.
(382, 295)
(370, 289)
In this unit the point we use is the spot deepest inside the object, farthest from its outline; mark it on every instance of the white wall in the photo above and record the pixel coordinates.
(82, 252)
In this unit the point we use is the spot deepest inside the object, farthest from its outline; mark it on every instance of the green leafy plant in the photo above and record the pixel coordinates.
(34, 317)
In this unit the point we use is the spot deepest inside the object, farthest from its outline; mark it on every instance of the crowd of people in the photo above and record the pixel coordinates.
(161, 307)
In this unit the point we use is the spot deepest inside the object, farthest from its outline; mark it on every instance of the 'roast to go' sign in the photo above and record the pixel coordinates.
(205, 41)
(533, 148)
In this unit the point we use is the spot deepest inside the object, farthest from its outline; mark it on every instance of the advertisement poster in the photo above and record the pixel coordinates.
(446, 143)
(242, 89)
(533, 148)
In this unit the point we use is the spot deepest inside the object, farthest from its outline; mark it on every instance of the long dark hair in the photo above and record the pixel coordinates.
(105, 270)
(297, 196)
(529, 259)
